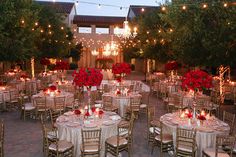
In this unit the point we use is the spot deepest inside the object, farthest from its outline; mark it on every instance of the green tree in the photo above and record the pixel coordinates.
(202, 36)
(55, 38)
(76, 52)
(16, 37)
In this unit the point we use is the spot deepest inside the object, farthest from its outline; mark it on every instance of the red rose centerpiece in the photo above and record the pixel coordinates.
(87, 78)
(62, 65)
(120, 70)
(196, 80)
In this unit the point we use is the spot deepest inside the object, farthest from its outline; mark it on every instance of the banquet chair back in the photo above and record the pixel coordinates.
(60, 103)
(145, 101)
(41, 107)
(54, 114)
(135, 103)
(31, 88)
(185, 142)
(162, 139)
(229, 118)
(91, 142)
(1, 100)
(202, 102)
(105, 88)
(14, 96)
(2, 129)
(150, 125)
(224, 147)
(122, 141)
(178, 101)
(107, 104)
(70, 103)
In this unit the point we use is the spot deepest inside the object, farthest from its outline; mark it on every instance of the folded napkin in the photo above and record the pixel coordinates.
(115, 117)
(68, 113)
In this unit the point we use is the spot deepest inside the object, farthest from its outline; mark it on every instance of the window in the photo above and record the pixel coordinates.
(85, 30)
(102, 30)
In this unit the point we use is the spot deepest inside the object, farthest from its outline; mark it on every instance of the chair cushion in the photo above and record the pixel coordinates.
(98, 101)
(166, 138)
(151, 129)
(28, 106)
(143, 106)
(51, 135)
(63, 145)
(113, 141)
(185, 148)
(90, 147)
(211, 153)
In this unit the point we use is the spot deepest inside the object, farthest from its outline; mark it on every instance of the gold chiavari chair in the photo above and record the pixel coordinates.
(229, 118)
(2, 129)
(14, 98)
(134, 106)
(162, 139)
(151, 124)
(122, 141)
(91, 143)
(54, 114)
(224, 147)
(185, 142)
(41, 106)
(202, 102)
(107, 104)
(60, 103)
(56, 147)
(27, 108)
(70, 103)
(145, 101)
(105, 88)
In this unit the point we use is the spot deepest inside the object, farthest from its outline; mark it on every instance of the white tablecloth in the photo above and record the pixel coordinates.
(69, 128)
(50, 99)
(122, 101)
(206, 134)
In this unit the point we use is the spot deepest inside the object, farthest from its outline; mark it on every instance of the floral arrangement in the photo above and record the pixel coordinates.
(201, 117)
(87, 77)
(121, 69)
(45, 61)
(62, 65)
(101, 112)
(172, 65)
(51, 88)
(196, 80)
(77, 112)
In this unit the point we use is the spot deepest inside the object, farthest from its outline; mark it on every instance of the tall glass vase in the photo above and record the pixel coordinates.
(89, 97)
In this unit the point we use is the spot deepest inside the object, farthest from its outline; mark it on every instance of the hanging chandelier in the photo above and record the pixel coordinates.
(126, 32)
(110, 49)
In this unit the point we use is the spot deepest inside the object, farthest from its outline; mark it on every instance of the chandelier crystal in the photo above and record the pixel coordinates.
(126, 32)
(110, 49)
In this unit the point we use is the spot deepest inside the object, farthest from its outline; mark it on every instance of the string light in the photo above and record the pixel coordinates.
(184, 7)
(163, 8)
(225, 4)
(142, 9)
(49, 26)
(36, 23)
(62, 28)
(204, 6)
(22, 21)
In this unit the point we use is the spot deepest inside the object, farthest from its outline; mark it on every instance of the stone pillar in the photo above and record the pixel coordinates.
(93, 27)
(111, 30)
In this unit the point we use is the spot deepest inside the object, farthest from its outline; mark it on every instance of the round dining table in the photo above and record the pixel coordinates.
(70, 125)
(69, 97)
(205, 133)
(122, 101)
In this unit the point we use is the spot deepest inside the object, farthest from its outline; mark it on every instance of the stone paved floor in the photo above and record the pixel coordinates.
(24, 138)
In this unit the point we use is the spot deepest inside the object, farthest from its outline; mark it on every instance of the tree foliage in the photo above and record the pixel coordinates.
(28, 29)
(202, 36)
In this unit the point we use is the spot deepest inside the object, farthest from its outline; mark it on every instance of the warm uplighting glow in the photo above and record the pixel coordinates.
(94, 52)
